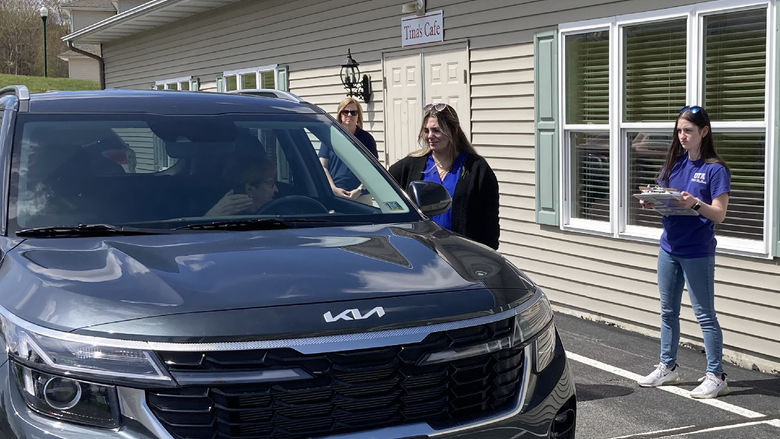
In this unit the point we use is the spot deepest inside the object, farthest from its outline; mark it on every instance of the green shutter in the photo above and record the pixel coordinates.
(546, 126)
(282, 82)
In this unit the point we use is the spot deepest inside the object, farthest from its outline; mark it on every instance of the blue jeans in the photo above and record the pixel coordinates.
(699, 274)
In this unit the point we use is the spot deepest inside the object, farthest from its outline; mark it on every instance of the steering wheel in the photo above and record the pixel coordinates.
(293, 205)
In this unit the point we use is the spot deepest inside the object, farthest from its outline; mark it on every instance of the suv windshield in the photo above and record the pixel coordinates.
(175, 172)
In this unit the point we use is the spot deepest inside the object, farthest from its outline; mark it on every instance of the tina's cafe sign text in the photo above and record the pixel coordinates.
(428, 28)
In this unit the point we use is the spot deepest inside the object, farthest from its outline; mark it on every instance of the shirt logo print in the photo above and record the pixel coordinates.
(700, 177)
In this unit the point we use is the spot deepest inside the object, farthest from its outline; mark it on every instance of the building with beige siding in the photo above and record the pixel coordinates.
(571, 101)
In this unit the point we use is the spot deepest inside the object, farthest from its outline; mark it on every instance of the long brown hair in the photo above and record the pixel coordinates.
(450, 126)
(697, 116)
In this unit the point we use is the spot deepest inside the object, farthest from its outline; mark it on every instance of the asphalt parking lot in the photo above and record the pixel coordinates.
(606, 362)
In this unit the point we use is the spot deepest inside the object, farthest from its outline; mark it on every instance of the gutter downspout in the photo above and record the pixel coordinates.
(101, 64)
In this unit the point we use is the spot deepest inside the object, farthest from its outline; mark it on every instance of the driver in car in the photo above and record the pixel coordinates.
(254, 185)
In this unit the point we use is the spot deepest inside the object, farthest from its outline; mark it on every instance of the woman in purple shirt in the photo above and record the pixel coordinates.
(687, 253)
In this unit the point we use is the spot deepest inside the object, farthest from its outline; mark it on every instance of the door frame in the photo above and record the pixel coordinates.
(463, 44)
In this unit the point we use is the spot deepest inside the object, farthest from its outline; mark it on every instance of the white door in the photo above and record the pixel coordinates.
(414, 81)
(403, 106)
(446, 80)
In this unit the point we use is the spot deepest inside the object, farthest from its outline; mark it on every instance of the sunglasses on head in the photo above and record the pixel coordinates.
(438, 108)
(349, 112)
(434, 109)
(693, 109)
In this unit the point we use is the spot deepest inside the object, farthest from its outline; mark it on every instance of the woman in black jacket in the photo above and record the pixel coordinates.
(447, 157)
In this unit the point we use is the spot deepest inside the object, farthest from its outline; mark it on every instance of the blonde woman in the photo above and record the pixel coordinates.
(343, 182)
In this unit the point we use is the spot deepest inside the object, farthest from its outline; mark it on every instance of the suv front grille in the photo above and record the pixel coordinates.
(350, 391)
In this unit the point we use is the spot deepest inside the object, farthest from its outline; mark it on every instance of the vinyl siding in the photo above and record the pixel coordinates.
(603, 278)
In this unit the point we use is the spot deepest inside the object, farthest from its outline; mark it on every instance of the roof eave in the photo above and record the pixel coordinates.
(140, 19)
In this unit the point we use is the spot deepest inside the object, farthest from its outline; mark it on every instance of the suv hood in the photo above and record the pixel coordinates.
(212, 285)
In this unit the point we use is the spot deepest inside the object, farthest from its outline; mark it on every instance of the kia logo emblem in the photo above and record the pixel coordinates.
(353, 314)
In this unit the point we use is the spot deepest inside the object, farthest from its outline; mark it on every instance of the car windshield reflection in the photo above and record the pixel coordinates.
(170, 172)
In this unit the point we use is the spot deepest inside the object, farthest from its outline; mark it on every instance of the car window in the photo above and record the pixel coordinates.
(170, 171)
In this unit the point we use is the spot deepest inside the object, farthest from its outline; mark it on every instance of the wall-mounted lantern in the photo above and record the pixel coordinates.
(353, 82)
(413, 7)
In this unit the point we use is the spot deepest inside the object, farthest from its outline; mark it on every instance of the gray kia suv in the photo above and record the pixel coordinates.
(176, 265)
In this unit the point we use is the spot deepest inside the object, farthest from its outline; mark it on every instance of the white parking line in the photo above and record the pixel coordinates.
(728, 427)
(688, 430)
(655, 433)
(671, 389)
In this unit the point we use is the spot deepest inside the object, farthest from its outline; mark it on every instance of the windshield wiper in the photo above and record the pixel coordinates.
(86, 230)
(254, 224)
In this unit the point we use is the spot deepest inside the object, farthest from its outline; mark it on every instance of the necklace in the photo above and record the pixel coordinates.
(441, 169)
(442, 166)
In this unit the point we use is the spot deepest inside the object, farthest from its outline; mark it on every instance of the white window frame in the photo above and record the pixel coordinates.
(256, 70)
(173, 83)
(617, 227)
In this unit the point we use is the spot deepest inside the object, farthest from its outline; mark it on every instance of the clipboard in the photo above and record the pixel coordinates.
(662, 198)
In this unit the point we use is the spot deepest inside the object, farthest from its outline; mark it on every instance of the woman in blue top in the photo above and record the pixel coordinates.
(447, 157)
(342, 180)
(687, 253)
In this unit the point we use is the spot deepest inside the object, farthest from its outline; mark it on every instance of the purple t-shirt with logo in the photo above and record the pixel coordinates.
(694, 236)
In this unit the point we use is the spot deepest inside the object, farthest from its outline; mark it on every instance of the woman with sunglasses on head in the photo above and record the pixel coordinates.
(343, 182)
(447, 157)
(687, 253)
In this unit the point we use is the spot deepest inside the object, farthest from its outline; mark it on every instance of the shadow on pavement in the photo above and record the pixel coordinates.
(591, 392)
(769, 387)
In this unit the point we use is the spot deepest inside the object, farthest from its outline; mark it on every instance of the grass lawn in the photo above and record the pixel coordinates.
(38, 84)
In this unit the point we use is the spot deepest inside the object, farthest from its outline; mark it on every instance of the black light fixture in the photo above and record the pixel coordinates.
(353, 82)
(44, 13)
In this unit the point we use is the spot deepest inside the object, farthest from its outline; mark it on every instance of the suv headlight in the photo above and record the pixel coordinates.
(70, 376)
(67, 398)
(533, 324)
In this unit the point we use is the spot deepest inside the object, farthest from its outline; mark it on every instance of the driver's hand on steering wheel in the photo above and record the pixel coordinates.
(230, 204)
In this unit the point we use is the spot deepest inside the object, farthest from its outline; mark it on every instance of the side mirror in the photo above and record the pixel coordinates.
(432, 198)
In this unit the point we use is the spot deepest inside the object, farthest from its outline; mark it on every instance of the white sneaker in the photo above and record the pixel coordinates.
(660, 376)
(711, 387)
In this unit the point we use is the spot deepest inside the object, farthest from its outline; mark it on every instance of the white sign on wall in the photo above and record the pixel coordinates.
(428, 28)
